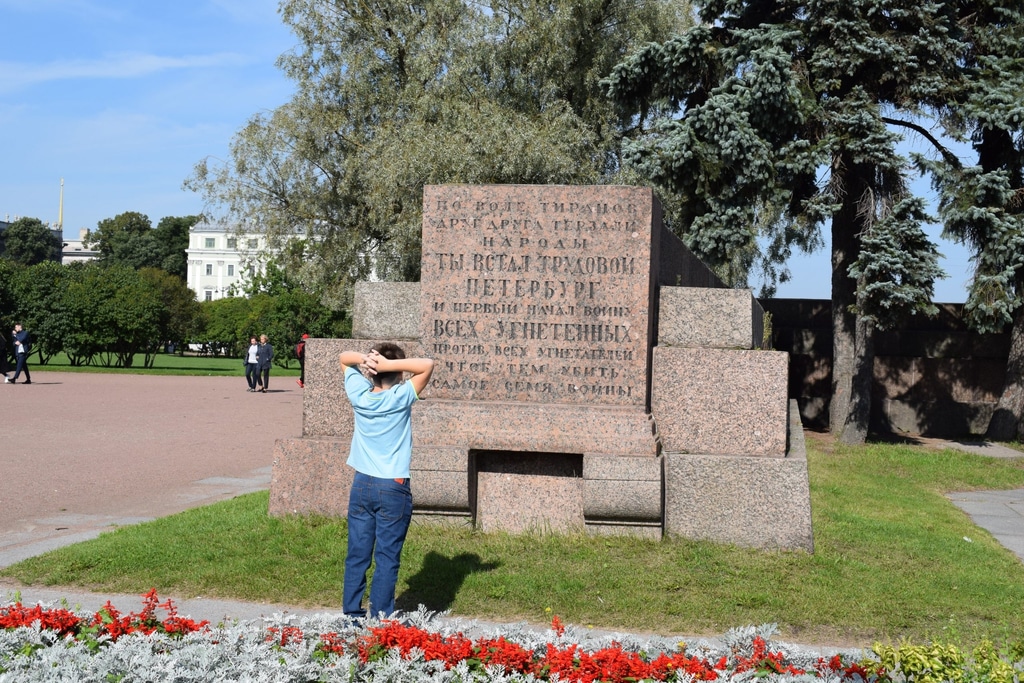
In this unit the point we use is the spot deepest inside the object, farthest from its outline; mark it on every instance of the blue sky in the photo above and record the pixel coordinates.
(812, 276)
(121, 98)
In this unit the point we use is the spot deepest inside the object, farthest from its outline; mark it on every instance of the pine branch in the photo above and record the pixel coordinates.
(950, 158)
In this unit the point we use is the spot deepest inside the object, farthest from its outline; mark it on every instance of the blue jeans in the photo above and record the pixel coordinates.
(252, 374)
(379, 512)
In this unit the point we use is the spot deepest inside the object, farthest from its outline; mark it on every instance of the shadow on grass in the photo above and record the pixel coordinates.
(436, 584)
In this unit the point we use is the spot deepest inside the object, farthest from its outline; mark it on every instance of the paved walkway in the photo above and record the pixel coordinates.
(1001, 513)
(82, 453)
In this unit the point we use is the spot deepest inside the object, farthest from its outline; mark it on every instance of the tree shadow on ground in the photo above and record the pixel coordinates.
(436, 584)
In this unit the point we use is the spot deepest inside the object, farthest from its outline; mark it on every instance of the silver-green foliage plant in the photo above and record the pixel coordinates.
(252, 651)
(256, 651)
(424, 646)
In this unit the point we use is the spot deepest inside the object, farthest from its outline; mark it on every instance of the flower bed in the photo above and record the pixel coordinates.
(46, 643)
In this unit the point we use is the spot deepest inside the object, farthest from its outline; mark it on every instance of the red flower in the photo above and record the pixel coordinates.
(61, 620)
(285, 635)
(611, 665)
(850, 671)
(107, 621)
(763, 661)
(331, 643)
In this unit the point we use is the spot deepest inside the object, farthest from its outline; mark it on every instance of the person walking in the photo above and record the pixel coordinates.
(300, 353)
(251, 361)
(380, 500)
(22, 347)
(266, 354)
(4, 366)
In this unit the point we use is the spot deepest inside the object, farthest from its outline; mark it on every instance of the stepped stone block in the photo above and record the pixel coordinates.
(618, 487)
(576, 341)
(386, 310)
(560, 428)
(704, 317)
(748, 501)
(529, 492)
(439, 478)
(720, 401)
(325, 407)
(309, 476)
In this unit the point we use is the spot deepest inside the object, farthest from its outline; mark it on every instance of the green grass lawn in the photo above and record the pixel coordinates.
(891, 561)
(168, 364)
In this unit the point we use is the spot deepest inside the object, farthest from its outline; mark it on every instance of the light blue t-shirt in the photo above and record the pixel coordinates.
(382, 439)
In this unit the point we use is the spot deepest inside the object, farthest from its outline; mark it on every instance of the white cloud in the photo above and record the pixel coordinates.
(14, 75)
(79, 8)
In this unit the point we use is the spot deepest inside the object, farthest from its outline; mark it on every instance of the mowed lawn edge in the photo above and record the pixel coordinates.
(893, 559)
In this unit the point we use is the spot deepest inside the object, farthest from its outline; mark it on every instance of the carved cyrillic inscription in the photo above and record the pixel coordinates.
(536, 293)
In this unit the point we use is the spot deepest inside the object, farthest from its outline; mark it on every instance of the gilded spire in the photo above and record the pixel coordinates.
(60, 212)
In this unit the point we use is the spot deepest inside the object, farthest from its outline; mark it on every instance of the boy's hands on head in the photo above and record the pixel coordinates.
(371, 362)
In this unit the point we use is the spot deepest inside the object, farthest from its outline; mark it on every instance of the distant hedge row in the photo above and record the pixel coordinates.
(110, 315)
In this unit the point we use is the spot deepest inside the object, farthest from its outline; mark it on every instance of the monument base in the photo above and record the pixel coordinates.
(537, 427)
(309, 476)
(749, 501)
(511, 491)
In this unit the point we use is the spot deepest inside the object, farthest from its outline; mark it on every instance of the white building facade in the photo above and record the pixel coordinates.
(221, 260)
(75, 250)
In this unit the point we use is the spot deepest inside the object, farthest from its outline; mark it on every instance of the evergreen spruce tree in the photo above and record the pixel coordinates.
(741, 114)
(982, 205)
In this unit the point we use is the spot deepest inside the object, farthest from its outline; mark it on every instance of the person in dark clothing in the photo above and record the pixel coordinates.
(251, 361)
(22, 347)
(266, 354)
(300, 353)
(4, 365)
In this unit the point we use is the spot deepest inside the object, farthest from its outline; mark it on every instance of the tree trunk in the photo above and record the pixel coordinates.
(1008, 419)
(855, 429)
(853, 354)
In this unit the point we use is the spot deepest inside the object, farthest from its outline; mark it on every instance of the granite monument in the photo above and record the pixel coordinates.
(591, 376)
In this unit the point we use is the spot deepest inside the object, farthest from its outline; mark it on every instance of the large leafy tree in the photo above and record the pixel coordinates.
(129, 239)
(30, 241)
(131, 311)
(84, 336)
(112, 313)
(774, 118)
(40, 305)
(274, 304)
(178, 318)
(34, 296)
(227, 325)
(172, 235)
(125, 238)
(393, 95)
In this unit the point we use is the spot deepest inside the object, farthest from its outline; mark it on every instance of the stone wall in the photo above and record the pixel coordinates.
(933, 376)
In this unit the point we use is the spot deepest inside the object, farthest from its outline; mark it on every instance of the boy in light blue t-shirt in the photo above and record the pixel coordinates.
(380, 502)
